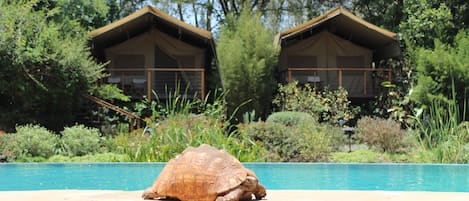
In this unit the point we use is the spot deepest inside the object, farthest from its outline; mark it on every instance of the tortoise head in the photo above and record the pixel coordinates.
(252, 184)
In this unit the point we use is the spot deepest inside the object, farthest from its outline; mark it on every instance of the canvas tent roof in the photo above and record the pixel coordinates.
(343, 23)
(144, 20)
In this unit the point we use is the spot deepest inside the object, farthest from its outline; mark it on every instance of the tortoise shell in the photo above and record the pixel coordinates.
(199, 174)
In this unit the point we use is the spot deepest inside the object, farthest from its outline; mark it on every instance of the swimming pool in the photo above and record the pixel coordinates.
(304, 176)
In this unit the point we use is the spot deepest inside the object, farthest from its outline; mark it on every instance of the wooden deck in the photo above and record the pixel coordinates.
(139, 82)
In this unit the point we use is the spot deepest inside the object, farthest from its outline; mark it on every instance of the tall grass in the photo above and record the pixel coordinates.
(177, 132)
(441, 130)
(180, 122)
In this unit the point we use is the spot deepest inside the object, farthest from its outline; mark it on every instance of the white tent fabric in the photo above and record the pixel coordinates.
(326, 50)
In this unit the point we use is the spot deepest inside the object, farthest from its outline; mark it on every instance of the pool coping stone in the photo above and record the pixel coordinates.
(272, 195)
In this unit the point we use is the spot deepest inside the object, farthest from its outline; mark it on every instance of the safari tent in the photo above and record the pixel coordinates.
(151, 51)
(337, 49)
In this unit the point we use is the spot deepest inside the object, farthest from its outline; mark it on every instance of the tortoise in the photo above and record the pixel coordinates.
(205, 174)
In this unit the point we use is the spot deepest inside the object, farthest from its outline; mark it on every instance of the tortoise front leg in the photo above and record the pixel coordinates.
(150, 194)
(260, 192)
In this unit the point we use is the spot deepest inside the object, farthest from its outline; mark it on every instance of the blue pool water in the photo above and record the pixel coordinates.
(314, 176)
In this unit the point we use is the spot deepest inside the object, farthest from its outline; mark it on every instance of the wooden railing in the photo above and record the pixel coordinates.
(134, 119)
(149, 80)
(340, 71)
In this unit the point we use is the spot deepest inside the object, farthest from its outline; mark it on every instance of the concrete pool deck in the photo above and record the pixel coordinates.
(272, 195)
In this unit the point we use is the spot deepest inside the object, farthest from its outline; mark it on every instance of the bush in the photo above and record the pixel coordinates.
(320, 141)
(326, 105)
(384, 134)
(307, 142)
(32, 141)
(80, 140)
(291, 118)
(279, 139)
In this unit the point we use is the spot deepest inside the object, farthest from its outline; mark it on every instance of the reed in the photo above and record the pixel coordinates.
(441, 131)
(181, 122)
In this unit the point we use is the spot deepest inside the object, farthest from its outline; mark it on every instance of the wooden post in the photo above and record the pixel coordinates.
(122, 82)
(289, 75)
(202, 85)
(149, 82)
(389, 76)
(364, 83)
(340, 78)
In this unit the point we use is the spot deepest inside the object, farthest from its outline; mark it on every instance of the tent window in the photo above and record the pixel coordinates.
(350, 61)
(129, 61)
(296, 61)
(164, 60)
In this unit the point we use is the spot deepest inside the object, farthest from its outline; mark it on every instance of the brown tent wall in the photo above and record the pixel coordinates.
(326, 50)
(155, 49)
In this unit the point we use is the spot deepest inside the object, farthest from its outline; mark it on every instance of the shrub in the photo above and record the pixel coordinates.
(80, 140)
(326, 105)
(279, 139)
(307, 142)
(320, 141)
(384, 134)
(32, 141)
(291, 118)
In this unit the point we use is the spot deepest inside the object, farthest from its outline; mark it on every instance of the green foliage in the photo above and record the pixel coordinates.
(384, 134)
(45, 66)
(425, 23)
(247, 59)
(395, 104)
(291, 118)
(171, 136)
(111, 92)
(327, 105)
(80, 140)
(443, 71)
(305, 142)
(31, 141)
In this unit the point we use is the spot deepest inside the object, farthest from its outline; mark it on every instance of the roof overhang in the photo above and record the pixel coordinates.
(343, 23)
(144, 20)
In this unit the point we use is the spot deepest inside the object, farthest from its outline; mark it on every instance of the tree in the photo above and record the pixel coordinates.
(90, 14)
(424, 23)
(247, 60)
(387, 14)
(121, 8)
(44, 69)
